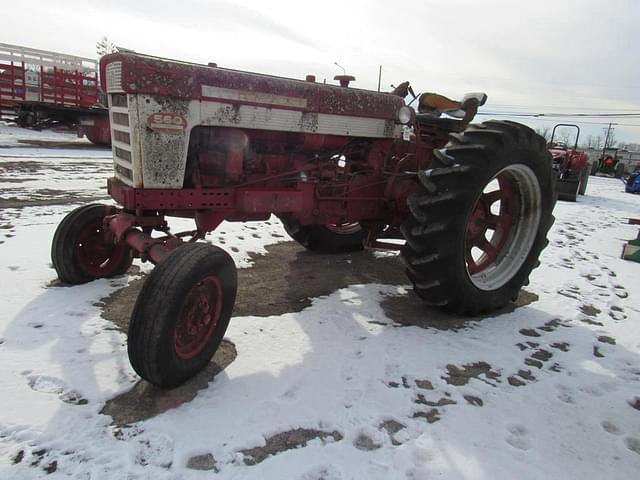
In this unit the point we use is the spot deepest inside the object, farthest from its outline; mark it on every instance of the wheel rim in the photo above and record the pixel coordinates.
(198, 318)
(95, 256)
(502, 227)
(344, 228)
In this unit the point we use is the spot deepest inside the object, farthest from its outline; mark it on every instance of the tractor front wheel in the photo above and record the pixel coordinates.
(479, 218)
(80, 251)
(181, 314)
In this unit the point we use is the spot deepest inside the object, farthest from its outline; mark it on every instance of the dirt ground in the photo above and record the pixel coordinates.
(285, 280)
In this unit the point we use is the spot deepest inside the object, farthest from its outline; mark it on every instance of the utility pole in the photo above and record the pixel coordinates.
(379, 77)
(606, 140)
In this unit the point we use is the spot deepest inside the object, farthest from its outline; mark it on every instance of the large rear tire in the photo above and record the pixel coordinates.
(479, 218)
(347, 237)
(181, 314)
(79, 252)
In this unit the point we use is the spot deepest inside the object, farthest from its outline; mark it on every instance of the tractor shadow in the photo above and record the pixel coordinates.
(286, 280)
(146, 401)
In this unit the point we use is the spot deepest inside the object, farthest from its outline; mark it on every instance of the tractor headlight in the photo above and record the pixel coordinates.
(404, 115)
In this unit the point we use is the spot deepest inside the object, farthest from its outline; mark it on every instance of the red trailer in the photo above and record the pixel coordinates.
(41, 89)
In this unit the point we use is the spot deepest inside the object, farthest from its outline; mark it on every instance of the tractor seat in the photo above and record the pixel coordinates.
(432, 105)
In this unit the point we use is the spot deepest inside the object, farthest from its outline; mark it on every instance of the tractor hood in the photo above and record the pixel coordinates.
(133, 73)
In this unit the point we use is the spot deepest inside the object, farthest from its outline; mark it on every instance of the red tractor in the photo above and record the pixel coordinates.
(571, 164)
(343, 169)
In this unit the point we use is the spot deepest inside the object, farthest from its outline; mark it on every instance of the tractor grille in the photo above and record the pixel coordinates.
(114, 77)
(121, 138)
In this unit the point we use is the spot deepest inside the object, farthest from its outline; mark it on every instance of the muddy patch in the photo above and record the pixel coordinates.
(460, 376)
(392, 427)
(285, 280)
(589, 310)
(366, 443)
(442, 402)
(281, 442)
(203, 462)
(430, 416)
(44, 198)
(118, 306)
(145, 401)
(606, 339)
(289, 277)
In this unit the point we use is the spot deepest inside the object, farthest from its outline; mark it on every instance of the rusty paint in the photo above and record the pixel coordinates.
(149, 75)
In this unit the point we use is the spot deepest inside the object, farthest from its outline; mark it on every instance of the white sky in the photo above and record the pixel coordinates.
(533, 56)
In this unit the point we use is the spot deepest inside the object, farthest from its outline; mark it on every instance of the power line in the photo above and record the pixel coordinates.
(539, 119)
(560, 115)
(556, 106)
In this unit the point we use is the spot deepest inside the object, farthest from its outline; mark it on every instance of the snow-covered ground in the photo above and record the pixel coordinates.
(19, 143)
(550, 390)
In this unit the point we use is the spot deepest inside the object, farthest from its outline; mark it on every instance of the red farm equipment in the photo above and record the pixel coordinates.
(42, 89)
(571, 164)
(343, 169)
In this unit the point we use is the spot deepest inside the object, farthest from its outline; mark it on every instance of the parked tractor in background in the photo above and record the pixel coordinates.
(342, 168)
(610, 164)
(571, 165)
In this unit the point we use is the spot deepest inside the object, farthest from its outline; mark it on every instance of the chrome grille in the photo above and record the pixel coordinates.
(114, 77)
(121, 138)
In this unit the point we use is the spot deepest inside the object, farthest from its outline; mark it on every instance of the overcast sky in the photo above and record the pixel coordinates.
(529, 56)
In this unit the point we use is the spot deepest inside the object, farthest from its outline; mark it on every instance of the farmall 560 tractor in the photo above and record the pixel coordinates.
(342, 168)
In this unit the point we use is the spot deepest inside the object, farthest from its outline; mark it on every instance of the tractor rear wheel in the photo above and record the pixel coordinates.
(79, 251)
(479, 218)
(347, 237)
(181, 314)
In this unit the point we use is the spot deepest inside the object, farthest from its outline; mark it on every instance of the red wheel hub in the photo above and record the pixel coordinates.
(199, 317)
(487, 230)
(95, 255)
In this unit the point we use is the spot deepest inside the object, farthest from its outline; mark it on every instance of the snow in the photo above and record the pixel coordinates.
(14, 143)
(339, 365)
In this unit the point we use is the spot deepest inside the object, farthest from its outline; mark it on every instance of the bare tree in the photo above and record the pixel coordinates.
(104, 46)
(594, 142)
(589, 143)
(566, 136)
(544, 132)
(598, 142)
